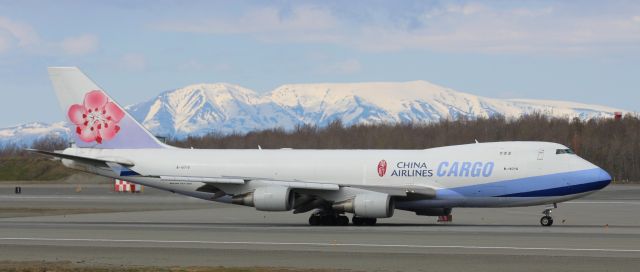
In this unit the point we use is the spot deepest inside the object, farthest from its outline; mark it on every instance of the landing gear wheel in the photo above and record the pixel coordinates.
(328, 220)
(342, 220)
(314, 220)
(547, 220)
(360, 221)
(370, 221)
(357, 221)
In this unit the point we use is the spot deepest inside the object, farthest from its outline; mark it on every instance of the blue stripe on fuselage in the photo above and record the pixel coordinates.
(565, 190)
(559, 184)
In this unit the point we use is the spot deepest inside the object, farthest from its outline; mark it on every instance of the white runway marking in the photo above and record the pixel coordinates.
(321, 244)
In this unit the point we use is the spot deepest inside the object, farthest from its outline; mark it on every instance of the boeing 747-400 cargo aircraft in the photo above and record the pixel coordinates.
(369, 184)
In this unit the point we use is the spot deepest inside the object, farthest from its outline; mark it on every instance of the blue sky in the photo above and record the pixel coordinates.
(585, 51)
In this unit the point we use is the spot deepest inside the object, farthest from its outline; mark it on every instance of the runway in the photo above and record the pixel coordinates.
(99, 227)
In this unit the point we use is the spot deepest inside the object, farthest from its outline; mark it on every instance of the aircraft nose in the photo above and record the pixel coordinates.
(599, 179)
(591, 180)
(604, 177)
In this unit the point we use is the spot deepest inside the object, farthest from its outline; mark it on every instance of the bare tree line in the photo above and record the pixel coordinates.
(48, 143)
(611, 144)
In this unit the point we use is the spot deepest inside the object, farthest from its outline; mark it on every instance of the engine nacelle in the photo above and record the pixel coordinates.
(268, 198)
(434, 212)
(368, 205)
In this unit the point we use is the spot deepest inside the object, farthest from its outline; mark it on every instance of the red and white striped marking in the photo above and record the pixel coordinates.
(445, 218)
(125, 186)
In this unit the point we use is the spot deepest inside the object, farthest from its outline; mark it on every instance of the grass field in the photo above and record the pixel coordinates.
(32, 168)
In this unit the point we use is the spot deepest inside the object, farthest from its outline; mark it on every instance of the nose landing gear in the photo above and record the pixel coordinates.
(547, 220)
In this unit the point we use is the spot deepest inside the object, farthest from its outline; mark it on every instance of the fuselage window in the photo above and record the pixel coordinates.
(565, 151)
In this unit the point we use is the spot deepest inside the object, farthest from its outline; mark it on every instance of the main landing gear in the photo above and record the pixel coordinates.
(360, 221)
(328, 219)
(321, 218)
(547, 220)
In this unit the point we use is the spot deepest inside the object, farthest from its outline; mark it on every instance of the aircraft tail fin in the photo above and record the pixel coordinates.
(97, 120)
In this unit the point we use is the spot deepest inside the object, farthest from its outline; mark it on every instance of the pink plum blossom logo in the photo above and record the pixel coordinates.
(97, 118)
(382, 168)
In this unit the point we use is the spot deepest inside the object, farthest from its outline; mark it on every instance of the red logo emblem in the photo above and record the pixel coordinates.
(382, 168)
(97, 119)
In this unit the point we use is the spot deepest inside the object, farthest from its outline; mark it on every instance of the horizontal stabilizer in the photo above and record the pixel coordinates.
(83, 159)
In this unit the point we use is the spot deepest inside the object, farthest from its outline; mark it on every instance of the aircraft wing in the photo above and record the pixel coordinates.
(208, 180)
(412, 191)
(294, 184)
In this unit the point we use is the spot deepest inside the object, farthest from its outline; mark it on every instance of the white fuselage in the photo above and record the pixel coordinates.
(472, 175)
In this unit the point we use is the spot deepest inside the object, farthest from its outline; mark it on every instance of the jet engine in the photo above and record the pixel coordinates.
(369, 205)
(268, 198)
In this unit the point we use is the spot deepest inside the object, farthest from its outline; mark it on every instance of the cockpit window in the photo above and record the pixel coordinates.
(565, 151)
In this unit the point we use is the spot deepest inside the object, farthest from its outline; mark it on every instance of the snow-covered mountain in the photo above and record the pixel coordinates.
(226, 108)
(210, 108)
(24, 135)
(411, 102)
